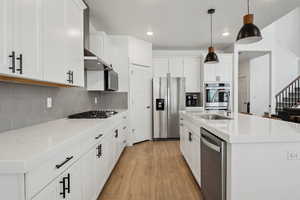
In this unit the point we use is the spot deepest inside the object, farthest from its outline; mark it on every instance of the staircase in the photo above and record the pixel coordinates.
(289, 96)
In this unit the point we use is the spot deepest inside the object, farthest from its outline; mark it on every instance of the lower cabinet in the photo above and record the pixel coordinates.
(66, 186)
(190, 147)
(85, 178)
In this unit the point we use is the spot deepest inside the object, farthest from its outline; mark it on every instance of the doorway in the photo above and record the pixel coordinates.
(254, 82)
(141, 103)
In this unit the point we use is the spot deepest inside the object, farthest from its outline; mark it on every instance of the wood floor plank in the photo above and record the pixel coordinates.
(151, 171)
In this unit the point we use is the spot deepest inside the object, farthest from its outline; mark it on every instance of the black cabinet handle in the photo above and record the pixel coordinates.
(124, 127)
(99, 153)
(13, 62)
(72, 77)
(20, 58)
(116, 133)
(99, 136)
(190, 136)
(69, 76)
(63, 193)
(63, 163)
(68, 178)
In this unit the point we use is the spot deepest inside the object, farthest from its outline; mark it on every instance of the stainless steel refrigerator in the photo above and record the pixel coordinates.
(168, 100)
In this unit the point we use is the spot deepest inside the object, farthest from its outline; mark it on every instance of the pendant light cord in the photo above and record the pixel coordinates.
(248, 6)
(211, 30)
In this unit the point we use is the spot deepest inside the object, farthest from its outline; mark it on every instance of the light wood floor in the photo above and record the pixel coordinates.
(151, 171)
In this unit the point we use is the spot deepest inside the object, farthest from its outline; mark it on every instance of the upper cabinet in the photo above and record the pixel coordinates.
(19, 33)
(188, 67)
(140, 52)
(160, 67)
(101, 45)
(192, 74)
(42, 40)
(220, 72)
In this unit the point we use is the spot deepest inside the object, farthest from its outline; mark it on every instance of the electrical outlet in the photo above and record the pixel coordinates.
(49, 102)
(293, 155)
(96, 100)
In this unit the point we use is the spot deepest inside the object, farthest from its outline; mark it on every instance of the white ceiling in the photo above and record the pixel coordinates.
(182, 24)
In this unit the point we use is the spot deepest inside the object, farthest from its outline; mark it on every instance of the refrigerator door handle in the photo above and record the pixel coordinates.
(168, 102)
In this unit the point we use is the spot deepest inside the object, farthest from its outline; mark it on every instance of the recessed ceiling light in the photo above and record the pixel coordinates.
(150, 33)
(226, 34)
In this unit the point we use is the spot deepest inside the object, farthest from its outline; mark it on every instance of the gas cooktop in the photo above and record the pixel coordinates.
(94, 114)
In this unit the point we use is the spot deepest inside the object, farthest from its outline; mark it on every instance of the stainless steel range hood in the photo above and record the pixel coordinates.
(91, 61)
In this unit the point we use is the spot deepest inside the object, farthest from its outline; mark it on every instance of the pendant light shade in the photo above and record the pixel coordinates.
(249, 33)
(211, 57)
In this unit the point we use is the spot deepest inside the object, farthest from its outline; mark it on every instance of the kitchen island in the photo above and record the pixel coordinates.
(262, 155)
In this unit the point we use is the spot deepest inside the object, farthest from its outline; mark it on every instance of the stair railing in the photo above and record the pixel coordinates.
(288, 96)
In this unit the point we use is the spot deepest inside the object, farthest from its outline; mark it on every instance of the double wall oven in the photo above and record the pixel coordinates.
(217, 96)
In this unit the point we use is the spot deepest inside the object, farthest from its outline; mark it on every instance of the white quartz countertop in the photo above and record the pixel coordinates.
(21, 146)
(247, 128)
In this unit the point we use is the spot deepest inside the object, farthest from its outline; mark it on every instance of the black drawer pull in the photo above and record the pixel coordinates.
(63, 193)
(99, 136)
(99, 153)
(69, 184)
(20, 59)
(63, 163)
(190, 136)
(116, 133)
(124, 127)
(13, 62)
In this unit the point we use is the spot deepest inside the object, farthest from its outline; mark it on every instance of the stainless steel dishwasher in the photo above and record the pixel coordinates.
(213, 166)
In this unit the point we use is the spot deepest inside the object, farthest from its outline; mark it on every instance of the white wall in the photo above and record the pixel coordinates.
(282, 40)
(259, 85)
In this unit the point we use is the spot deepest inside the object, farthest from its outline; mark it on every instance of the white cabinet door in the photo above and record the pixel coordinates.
(219, 72)
(74, 42)
(210, 73)
(120, 61)
(97, 43)
(192, 70)
(6, 35)
(160, 67)
(176, 67)
(88, 164)
(53, 41)
(140, 52)
(74, 191)
(51, 192)
(27, 39)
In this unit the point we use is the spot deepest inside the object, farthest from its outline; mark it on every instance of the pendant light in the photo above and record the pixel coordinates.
(249, 33)
(211, 57)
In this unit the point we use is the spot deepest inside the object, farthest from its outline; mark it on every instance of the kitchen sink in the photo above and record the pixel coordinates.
(213, 117)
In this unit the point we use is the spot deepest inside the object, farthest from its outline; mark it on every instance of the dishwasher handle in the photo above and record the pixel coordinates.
(211, 145)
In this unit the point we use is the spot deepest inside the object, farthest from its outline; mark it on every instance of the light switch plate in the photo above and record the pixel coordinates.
(49, 102)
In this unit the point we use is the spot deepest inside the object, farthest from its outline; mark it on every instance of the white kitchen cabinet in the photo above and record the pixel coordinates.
(42, 40)
(192, 73)
(121, 61)
(74, 45)
(140, 52)
(176, 66)
(219, 72)
(160, 67)
(53, 41)
(101, 45)
(66, 186)
(27, 39)
(88, 168)
(19, 35)
(51, 192)
(190, 146)
(6, 35)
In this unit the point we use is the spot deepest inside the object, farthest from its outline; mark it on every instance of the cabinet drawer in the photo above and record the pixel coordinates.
(91, 140)
(56, 164)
